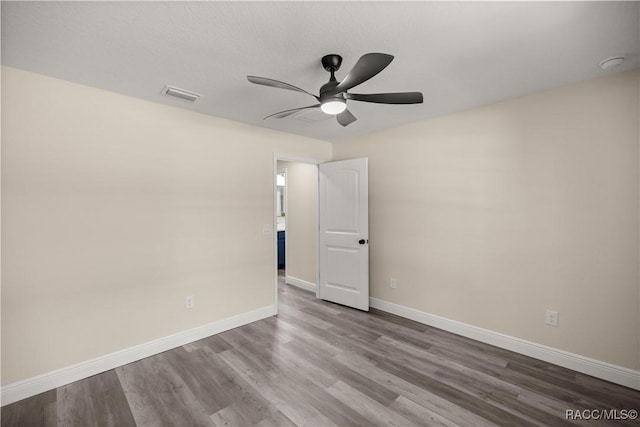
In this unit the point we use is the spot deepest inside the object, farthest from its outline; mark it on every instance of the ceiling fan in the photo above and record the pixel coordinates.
(334, 94)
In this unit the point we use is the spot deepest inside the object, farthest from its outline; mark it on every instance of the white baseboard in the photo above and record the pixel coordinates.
(603, 370)
(50, 380)
(303, 284)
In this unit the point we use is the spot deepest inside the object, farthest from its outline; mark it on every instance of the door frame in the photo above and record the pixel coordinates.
(284, 157)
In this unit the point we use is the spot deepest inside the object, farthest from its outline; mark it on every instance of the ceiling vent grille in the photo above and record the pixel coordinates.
(181, 94)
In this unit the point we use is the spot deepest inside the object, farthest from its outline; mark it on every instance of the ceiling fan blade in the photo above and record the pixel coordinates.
(287, 113)
(346, 118)
(367, 66)
(388, 98)
(276, 83)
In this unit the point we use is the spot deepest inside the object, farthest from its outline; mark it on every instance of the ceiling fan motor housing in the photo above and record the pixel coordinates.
(332, 62)
(327, 91)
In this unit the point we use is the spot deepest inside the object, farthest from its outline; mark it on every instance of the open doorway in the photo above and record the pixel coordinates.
(281, 219)
(296, 222)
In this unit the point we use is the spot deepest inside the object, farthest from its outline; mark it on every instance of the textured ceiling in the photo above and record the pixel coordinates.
(459, 54)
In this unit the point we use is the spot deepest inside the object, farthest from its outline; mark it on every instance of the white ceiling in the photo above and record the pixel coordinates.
(459, 54)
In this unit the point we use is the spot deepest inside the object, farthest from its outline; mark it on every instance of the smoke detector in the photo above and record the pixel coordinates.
(182, 94)
(611, 62)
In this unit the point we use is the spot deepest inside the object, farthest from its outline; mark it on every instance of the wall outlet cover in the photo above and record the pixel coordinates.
(190, 301)
(551, 318)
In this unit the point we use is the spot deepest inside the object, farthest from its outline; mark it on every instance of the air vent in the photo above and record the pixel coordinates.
(182, 94)
(311, 116)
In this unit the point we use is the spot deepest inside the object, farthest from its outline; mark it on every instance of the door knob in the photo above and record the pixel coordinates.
(362, 241)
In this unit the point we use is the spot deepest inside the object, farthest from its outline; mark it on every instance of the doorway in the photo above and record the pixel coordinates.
(344, 263)
(295, 222)
(281, 220)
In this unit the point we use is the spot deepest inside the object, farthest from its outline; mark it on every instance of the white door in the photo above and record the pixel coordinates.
(344, 233)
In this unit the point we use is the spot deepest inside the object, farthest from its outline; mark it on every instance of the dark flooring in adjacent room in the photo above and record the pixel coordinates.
(321, 364)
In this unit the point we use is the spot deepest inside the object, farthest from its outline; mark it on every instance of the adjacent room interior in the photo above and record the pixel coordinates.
(141, 232)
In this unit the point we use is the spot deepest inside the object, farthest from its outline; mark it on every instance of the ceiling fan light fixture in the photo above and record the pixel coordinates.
(334, 106)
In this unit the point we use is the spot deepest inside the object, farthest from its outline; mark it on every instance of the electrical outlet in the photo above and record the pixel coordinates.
(551, 318)
(190, 300)
(394, 283)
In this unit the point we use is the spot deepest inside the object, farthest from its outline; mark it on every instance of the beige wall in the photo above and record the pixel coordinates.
(302, 211)
(114, 209)
(491, 216)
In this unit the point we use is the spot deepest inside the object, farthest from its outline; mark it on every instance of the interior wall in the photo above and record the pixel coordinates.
(494, 215)
(301, 220)
(115, 209)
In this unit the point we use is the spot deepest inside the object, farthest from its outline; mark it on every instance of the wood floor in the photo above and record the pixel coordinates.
(321, 364)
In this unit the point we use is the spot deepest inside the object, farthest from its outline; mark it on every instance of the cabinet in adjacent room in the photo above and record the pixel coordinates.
(281, 237)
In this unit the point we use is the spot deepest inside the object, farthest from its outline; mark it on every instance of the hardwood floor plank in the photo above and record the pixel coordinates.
(215, 343)
(227, 417)
(597, 397)
(500, 398)
(419, 415)
(308, 392)
(606, 387)
(269, 330)
(368, 407)
(158, 396)
(360, 382)
(97, 400)
(284, 361)
(339, 412)
(419, 395)
(468, 357)
(39, 410)
(194, 369)
(308, 336)
(281, 390)
(191, 346)
(73, 408)
(252, 405)
(461, 398)
(393, 319)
